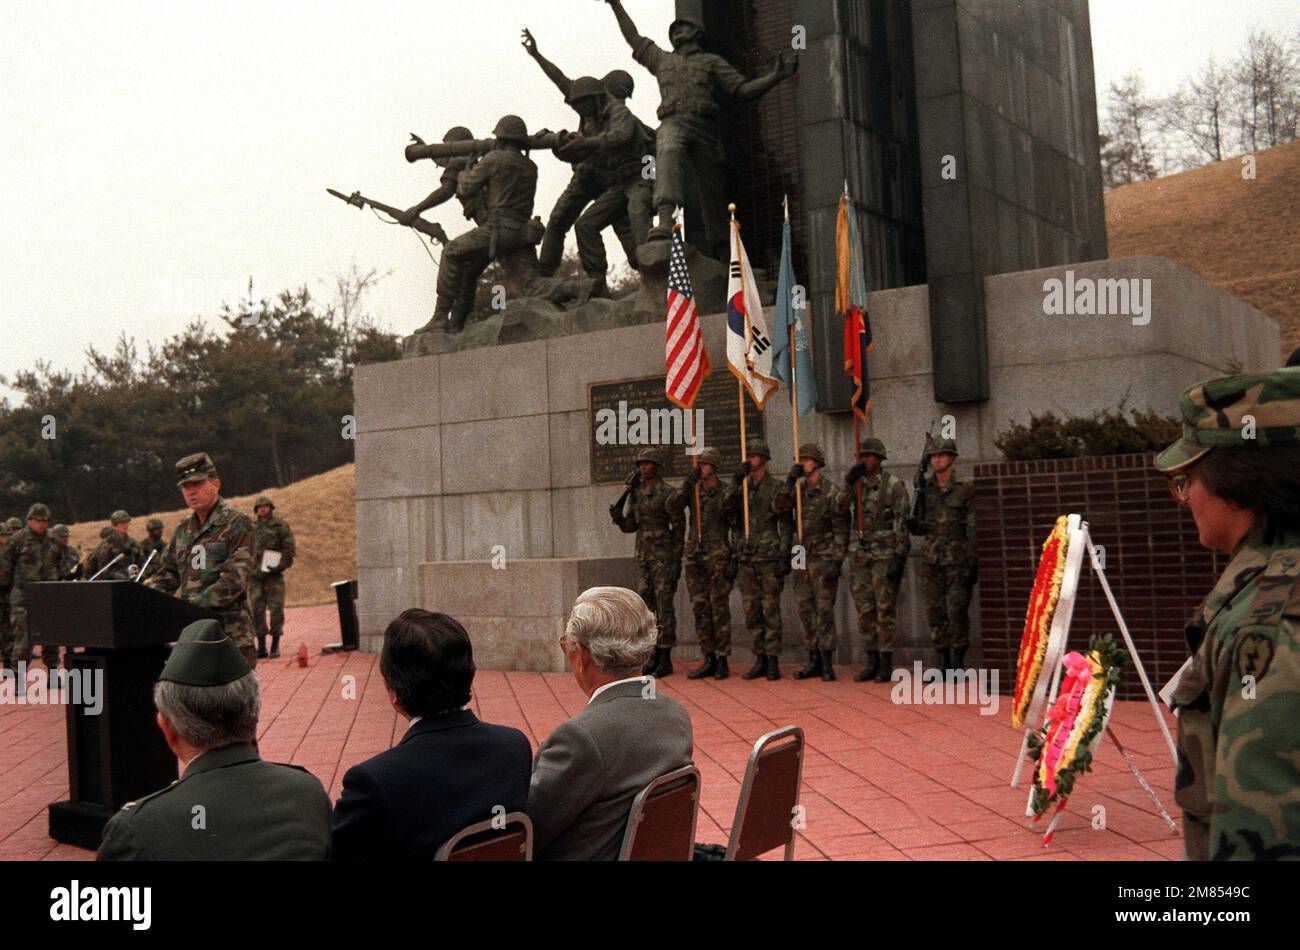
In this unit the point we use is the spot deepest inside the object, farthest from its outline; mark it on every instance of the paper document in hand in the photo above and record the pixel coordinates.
(270, 560)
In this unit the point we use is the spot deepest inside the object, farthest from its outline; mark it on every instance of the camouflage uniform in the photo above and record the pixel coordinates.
(825, 540)
(7, 530)
(709, 556)
(266, 589)
(1238, 739)
(948, 574)
(877, 551)
(70, 564)
(209, 564)
(764, 556)
(154, 543)
(115, 544)
(92, 563)
(27, 557)
(660, 536)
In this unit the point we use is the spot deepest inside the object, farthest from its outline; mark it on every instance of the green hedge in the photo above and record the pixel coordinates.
(1112, 432)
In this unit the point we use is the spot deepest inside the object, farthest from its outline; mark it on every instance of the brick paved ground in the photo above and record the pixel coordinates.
(881, 781)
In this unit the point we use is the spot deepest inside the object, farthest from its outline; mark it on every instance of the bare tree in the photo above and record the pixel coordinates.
(1129, 134)
(1266, 75)
(1198, 116)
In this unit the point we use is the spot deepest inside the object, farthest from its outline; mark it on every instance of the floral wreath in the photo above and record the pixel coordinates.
(1063, 746)
(1038, 619)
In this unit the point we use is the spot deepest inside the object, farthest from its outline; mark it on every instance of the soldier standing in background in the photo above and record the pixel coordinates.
(210, 555)
(825, 539)
(91, 563)
(119, 541)
(764, 556)
(877, 555)
(30, 555)
(8, 529)
(154, 544)
(659, 540)
(951, 561)
(70, 558)
(266, 585)
(710, 564)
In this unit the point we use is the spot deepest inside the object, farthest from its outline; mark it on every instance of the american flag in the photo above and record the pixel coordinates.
(686, 359)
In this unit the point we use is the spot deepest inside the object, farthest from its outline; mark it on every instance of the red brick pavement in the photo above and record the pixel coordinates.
(881, 781)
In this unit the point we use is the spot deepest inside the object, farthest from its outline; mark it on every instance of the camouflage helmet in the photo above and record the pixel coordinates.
(14, 524)
(60, 531)
(584, 87)
(872, 447)
(650, 454)
(940, 445)
(758, 447)
(511, 128)
(153, 524)
(119, 516)
(263, 500)
(1255, 411)
(458, 133)
(811, 450)
(104, 532)
(711, 457)
(619, 83)
(40, 511)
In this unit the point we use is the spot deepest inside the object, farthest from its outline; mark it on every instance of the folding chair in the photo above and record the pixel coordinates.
(661, 826)
(768, 797)
(512, 843)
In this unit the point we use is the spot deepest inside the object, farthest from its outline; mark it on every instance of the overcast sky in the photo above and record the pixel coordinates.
(159, 155)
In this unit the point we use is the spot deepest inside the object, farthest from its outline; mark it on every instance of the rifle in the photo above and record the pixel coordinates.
(917, 516)
(431, 228)
(470, 148)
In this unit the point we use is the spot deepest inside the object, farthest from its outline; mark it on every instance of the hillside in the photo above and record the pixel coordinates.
(321, 510)
(1241, 235)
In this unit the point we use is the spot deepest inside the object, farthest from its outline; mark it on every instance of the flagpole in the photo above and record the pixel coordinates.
(857, 423)
(794, 402)
(740, 386)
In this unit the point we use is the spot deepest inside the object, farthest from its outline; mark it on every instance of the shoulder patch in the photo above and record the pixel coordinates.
(1253, 655)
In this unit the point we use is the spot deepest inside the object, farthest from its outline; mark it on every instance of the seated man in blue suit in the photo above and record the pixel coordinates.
(448, 771)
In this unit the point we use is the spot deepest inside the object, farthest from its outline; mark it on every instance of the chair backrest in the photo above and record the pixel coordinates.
(661, 825)
(769, 794)
(490, 841)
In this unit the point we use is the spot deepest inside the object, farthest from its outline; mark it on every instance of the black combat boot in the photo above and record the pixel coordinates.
(871, 669)
(774, 667)
(959, 658)
(814, 667)
(828, 666)
(885, 673)
(723, 672)
(758, 669)
(275, 648)
(943, 659)
(261, 647)
(665, 666)
(708, 669)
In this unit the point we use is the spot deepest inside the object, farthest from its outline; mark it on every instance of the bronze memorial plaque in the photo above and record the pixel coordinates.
(626, 416)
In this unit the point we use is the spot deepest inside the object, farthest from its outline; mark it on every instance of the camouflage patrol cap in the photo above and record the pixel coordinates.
(60, 531)
(872, 447)
(458, 133)
(1258, 410)
(583, 87)
(263, 500)
(711, 457)
(619, 83)
(153, 524)
(940, 445)
(758, 447)
(205, 656)
(511, 128)
(40, 511)
(195, 468)
(811, 450)
(104, 532)
(119, 516)
(649, 454)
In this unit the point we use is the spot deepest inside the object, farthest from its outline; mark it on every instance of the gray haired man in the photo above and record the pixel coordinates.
(591, 767)
(229, 805)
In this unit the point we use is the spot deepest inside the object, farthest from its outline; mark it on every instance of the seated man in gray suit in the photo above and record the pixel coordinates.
(591, 767)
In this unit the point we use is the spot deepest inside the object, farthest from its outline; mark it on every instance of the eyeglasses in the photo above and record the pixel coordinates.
(1178, 485)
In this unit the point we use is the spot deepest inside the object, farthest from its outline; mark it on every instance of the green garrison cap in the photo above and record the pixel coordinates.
(872, 447)
(153, 524)
(1257, 411)
(195, 468)
(758, 447)
(60, 531)
(39, 511)
(811, 450)
(205, 656)
(119, 516)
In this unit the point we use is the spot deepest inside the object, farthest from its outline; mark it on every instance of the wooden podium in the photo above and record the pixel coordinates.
(118, 755)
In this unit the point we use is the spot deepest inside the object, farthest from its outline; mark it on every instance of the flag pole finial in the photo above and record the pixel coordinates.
(731, 209)
(786, 203)
(846, 188)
